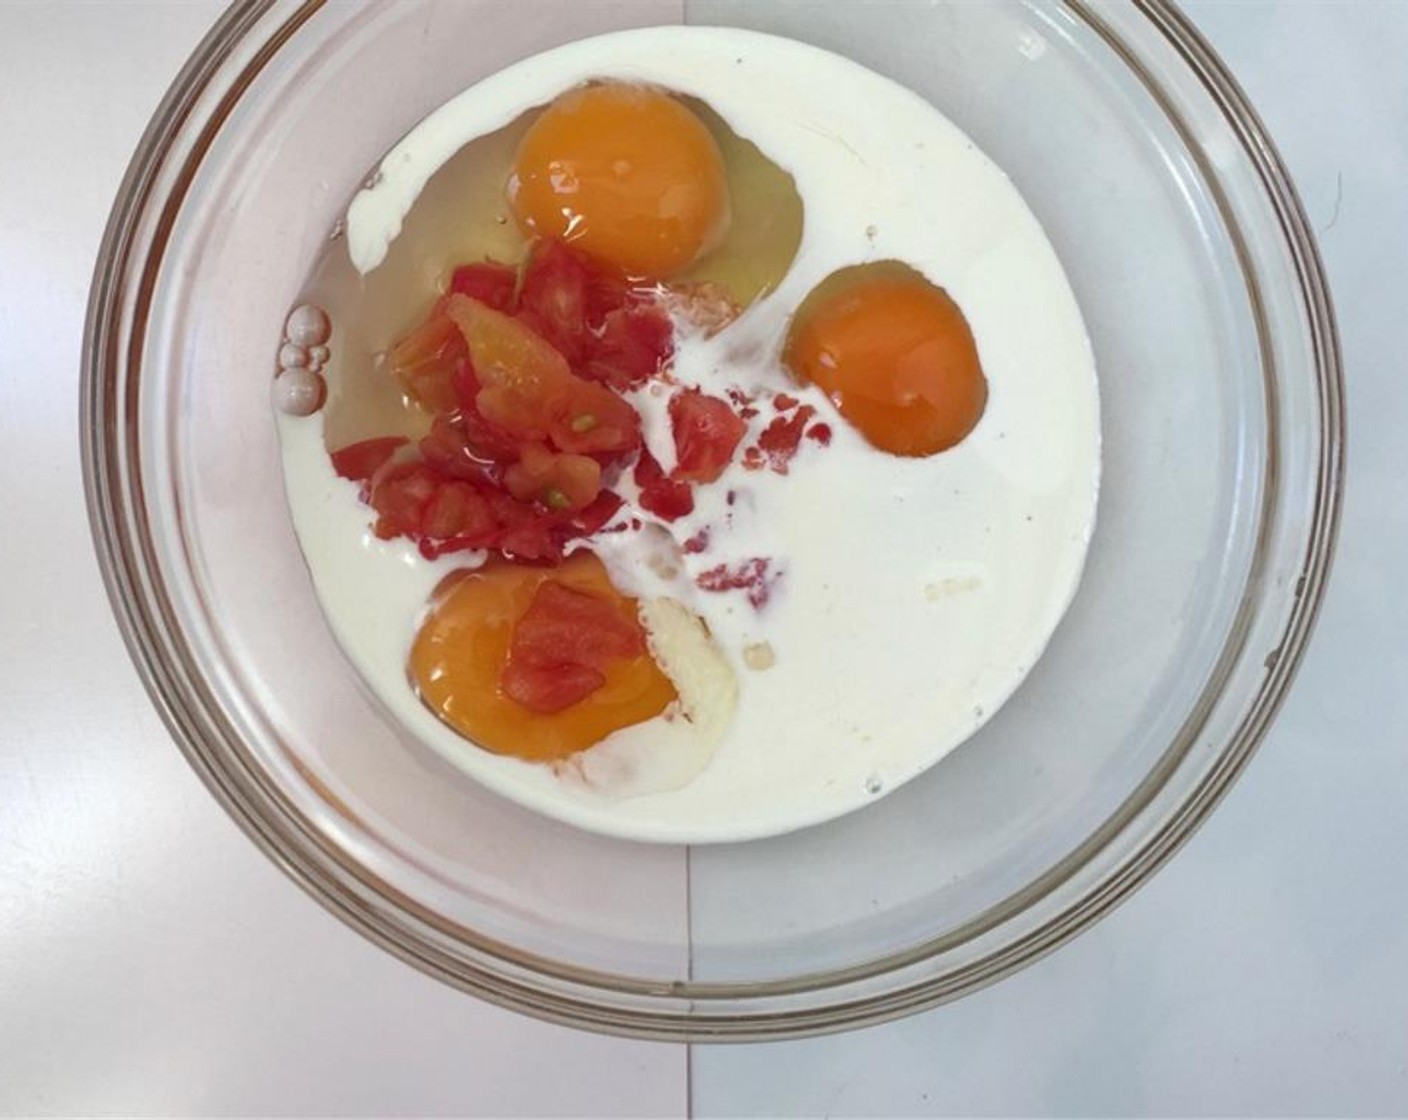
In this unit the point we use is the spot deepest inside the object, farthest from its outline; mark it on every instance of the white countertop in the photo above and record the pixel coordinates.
(1264, 972)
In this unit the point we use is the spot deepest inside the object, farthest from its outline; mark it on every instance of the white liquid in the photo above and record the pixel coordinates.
(915, 594)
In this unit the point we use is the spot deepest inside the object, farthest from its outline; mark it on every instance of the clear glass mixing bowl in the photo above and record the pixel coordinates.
(1221, 398)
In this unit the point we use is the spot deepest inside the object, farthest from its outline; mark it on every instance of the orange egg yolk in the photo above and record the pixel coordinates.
(894, 354)
(458, 659)
(628, 174)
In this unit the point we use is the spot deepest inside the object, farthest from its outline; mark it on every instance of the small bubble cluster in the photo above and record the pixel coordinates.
(299, 388)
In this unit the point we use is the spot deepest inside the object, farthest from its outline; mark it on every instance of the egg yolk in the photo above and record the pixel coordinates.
(895, 355)
(458, 659)
(628, 174)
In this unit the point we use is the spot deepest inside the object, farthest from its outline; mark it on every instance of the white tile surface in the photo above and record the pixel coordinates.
(152, 961)
(1264, 972)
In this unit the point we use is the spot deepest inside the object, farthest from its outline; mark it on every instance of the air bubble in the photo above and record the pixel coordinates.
(874, 784)
(292, 356)
(308, 325)
(299, 392)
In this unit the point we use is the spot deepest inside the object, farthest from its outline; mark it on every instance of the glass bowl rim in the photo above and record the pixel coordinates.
(147, 203)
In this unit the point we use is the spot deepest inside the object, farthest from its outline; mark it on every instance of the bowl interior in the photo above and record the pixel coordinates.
(933, 873)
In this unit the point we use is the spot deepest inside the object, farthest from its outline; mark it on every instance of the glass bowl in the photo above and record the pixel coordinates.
(1222, 425)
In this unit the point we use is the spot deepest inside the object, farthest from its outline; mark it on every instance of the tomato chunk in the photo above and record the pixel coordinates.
(359, 461)
(561, 645)
(663, 496)
(491, 283)
(459, 511)
(567, 625)
(528, 390)
(554, 299)
(546, 689)
(426, 362)
(558, 481)
(780, 439)
(400, 493)
(634, 344)
(707, 432)
(595, 421)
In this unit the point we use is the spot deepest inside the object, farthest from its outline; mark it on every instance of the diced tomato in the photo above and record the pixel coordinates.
(457, 450)
(564, 625)
(561, 645)
(400, 493)
(459, 511)
(665, 497)
(597, 515)
(634, 345)
(524, 381)
(821, 433)
(549, 688)
(491, 283)
(559, 481)
(528, 391)
(780, 439)
(359, 461)
(707, 432)
(553, 301)
(753, 576)
(784, 402)
(426, 362)
(697, 543)
(595, 421)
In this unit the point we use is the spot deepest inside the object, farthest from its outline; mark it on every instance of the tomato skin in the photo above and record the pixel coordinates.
(492, 284)
(707, 432)
(359, 461)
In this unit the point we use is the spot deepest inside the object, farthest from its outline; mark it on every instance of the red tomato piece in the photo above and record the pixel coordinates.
(491, 283)
(665, 497)
(427, 360)
(780, 439)
(458, 511)
(359, 461)
(561, 645)
(753, 576)
(528, 390)
(549, 688)
(597, 515)
(553, 301)
(559, 481)
(707, 432)
(634, 344)
(399, 494)
(466, 446)
(595, 421)
(564, 625)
